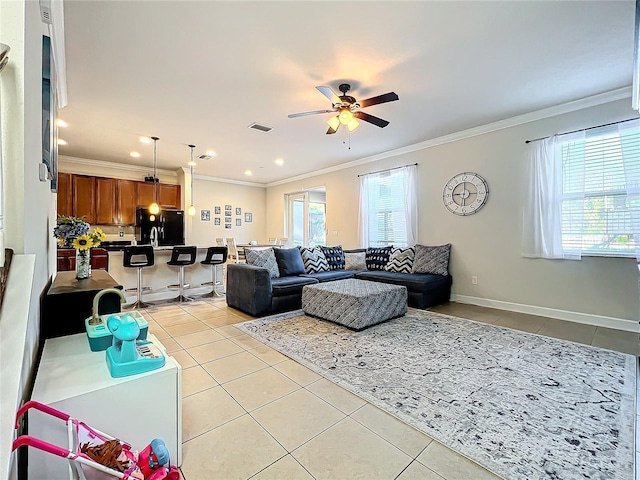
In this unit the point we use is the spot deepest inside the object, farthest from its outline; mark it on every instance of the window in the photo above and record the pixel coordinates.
(388, 212)
(599, 174)
(585, 195)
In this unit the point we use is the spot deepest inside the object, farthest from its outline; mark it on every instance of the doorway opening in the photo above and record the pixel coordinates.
(305, 217)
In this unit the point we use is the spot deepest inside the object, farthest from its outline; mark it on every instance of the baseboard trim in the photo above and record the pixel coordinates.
(578, 317)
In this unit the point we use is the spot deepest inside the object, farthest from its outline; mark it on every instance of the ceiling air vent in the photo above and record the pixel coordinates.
(204, 156)
(260, 128)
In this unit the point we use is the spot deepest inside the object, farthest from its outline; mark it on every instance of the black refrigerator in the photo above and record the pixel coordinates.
(169, 225)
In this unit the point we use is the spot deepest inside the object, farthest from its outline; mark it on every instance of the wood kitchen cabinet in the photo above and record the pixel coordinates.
(64, 194)
(169, 196)
(84, 197)
(145, 194)
(105, 201)
(111, 201)
(127, 196)
(66, 259)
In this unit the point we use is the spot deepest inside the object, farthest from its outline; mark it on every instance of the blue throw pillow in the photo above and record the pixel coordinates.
(377, 258)
(289, 261)
(334, 256)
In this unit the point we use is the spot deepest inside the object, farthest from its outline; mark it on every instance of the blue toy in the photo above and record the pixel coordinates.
(126, 356)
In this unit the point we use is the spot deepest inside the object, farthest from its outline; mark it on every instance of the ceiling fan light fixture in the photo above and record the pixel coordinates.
(345, 115)
(353, 124)
(334, 122)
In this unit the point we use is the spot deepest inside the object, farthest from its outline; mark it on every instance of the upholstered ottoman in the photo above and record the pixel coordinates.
(356, 304)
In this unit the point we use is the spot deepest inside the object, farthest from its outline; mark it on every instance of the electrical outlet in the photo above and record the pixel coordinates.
(121, 234)
(474, 280)
(334, 233)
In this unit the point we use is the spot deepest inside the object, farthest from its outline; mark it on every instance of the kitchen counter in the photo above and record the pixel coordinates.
(160, 275)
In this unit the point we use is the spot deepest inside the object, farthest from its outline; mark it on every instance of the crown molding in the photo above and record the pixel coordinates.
(592, 101)
(228, 180)
(121, 166)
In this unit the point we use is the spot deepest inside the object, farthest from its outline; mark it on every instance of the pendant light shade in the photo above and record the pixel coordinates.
(334, 122)
(192, 209)
(154, 208)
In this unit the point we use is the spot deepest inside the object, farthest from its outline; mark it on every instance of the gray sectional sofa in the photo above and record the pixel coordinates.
(255, 289)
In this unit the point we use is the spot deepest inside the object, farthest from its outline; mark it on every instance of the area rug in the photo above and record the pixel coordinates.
(524, 406)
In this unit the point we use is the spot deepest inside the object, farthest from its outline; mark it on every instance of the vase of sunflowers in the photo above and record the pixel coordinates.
(74, 232)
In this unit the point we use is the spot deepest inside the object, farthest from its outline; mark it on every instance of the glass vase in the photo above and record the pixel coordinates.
(83, 264)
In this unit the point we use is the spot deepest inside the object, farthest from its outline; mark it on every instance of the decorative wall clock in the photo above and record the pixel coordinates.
(465, 193)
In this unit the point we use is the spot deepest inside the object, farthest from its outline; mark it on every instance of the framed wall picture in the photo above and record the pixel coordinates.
(238, 211)
(205, 215)
(227, 213)
(217, 210)
(216, 221)
(227, 225)
(227, 208)
(238, 222)
(248, 218)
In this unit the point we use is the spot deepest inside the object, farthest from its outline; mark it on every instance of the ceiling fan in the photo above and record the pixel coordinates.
(348, 108)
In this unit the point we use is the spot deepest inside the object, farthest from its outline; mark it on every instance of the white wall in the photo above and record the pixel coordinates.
(29, 204)
(209, 194)
(487, 244)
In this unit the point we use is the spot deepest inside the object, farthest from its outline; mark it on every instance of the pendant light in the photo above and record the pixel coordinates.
(154, 208)
(192, 209)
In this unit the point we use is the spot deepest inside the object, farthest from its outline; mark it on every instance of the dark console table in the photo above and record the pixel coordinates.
(69, 302)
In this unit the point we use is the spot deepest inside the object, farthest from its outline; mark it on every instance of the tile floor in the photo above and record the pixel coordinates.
(250, 412)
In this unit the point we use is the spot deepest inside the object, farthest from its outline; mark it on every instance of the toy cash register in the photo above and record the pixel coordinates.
(128, 356)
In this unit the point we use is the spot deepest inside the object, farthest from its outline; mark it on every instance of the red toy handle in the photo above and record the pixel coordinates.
(40, 445)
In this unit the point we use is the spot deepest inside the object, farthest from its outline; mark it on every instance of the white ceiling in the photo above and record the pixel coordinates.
(202, 72)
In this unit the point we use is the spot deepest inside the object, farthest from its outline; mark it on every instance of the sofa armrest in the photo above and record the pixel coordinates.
(249, 288)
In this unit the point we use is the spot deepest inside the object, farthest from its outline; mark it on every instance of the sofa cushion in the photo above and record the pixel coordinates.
(264, 258)
(289, 261)
(432, 259)
(335, 257)
(332, 275)
(314, 260)
(401, 260)
(377, 258)
(413, 281)
(290, 285)
(355, 260)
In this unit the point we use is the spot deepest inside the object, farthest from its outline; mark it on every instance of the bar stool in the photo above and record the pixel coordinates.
(215, 256)
(139, 257)
(182, 256)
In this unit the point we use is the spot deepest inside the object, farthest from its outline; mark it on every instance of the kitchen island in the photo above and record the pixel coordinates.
(160, 275)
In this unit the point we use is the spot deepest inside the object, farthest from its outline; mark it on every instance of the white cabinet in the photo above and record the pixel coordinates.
(136, 409)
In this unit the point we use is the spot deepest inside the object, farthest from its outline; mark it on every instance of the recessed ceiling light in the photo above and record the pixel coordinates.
(191, 163)
(135, 154)
(211, 153)
(248, 172)
(62, 142)
(61, 123)
(279, 161)
(145, 140)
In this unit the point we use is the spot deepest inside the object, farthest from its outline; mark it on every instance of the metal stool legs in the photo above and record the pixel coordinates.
(214, 283)
(181, 297)
(139, 303)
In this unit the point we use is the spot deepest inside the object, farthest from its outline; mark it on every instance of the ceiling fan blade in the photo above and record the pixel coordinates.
(329, 93)
(371, 119)
(304, 114)
(332, 131)
(387, 97)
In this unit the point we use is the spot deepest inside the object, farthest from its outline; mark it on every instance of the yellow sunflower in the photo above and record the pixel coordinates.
(61, 242)
(103, 236)
(83, 242)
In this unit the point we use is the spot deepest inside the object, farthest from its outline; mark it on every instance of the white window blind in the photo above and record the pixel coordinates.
(583, 194)
(388, 211)
(600, 198)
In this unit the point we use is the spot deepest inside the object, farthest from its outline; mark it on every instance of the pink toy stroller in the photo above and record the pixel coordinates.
(152, 463)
